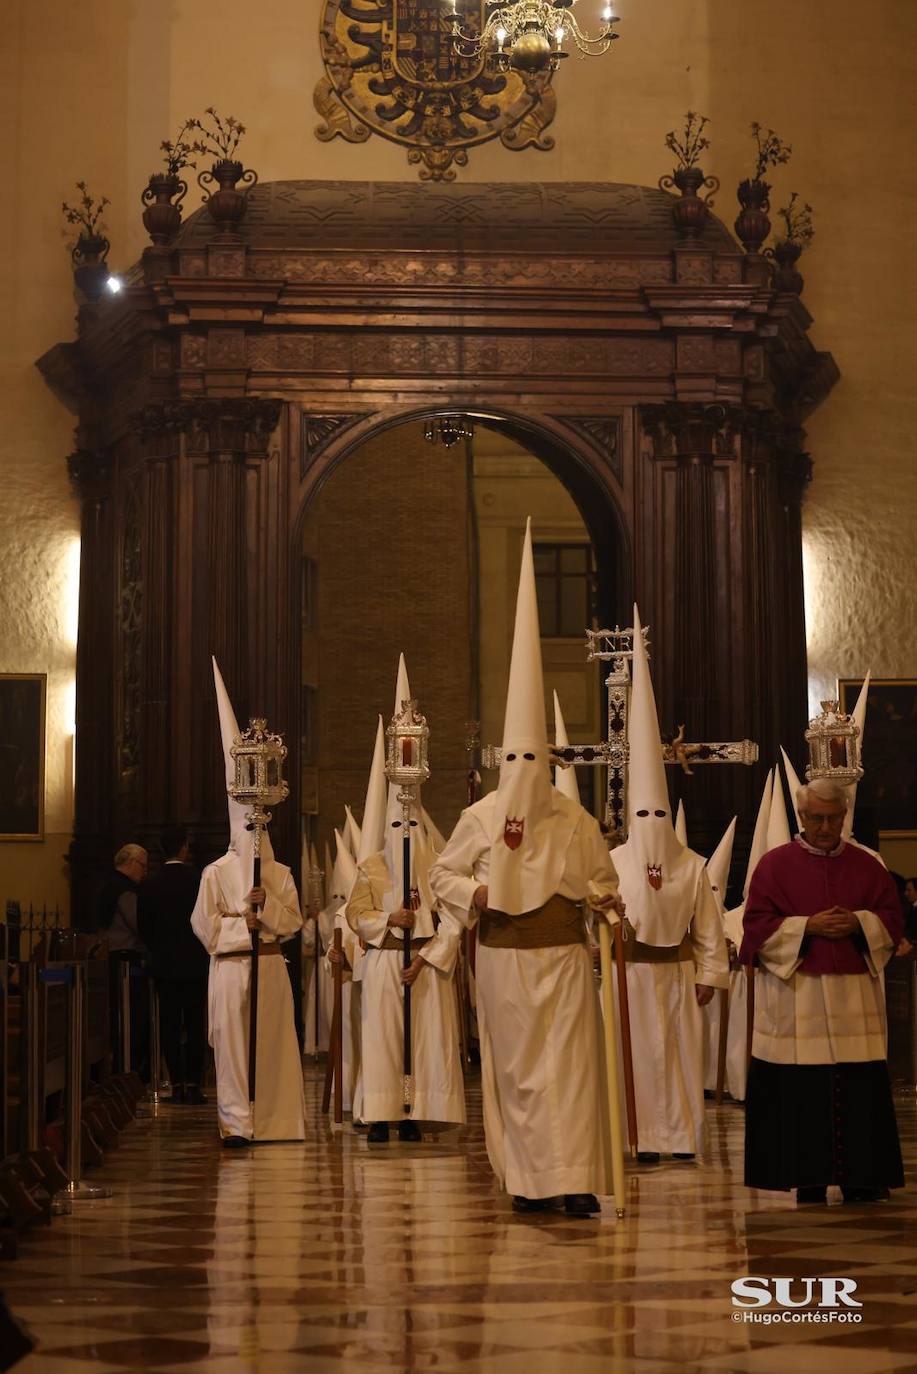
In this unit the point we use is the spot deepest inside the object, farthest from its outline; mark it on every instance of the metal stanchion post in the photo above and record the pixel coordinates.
(32, 1029)
(124, 1001)
(77, 1190)
(155, 1095)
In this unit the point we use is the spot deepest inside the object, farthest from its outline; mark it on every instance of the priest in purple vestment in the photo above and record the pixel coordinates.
(821, 921)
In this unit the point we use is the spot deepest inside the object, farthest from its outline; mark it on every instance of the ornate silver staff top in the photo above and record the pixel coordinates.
(259, 782)
(406, 754)
(834, 746)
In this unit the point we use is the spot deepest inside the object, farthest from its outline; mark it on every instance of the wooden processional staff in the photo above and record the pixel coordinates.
(259, 783)
(407, 767)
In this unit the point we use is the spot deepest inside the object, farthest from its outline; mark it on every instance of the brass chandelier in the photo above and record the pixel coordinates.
(531, 36)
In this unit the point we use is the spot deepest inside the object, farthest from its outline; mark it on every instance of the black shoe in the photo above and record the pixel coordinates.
(409, 1130)
(647, 1157)
(235, 1142)
(193, 1096)
(533, 1204)
(581, 1204)
(865, 1194)
(178, 1095)
(676, 1155)
(378, 1133)
(811, 1196)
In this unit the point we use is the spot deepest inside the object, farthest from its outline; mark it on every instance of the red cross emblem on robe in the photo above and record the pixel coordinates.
(512, 832)
(654, 876)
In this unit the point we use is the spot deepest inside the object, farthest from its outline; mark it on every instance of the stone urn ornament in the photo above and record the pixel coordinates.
(692, 211)
(752, 223)
(798, 233)
(89, 253)
(228, 202)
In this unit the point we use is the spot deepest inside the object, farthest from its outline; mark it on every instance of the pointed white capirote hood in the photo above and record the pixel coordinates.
(241, 841)
(372, 831)
(858, 715)
(759, 837)
(733, 919)
(351, 832)
(393, 844)
(778, 827)
(719, 864)
(344, 875)
(681, 824)
(793, 783)
(658, 874)
(434, 834)
(532, 823)
(329, 871)
(564, 778)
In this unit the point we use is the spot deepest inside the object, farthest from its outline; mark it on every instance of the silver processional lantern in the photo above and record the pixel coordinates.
(259, 781)
(834, 746)
(406, 755)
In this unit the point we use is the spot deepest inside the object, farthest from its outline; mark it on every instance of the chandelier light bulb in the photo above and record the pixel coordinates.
(559, 34)
(607, 13)
(501, 37)
(114, 284)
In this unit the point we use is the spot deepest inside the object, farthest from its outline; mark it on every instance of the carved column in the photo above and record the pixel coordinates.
(794, 472)
(90, 850)
(694, 436)
(690, 439)
(762, 557)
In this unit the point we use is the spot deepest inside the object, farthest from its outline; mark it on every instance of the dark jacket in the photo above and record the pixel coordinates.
(116, 914)
(164, 910)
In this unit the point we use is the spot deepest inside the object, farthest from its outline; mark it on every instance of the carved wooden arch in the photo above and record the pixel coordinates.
(583, 453)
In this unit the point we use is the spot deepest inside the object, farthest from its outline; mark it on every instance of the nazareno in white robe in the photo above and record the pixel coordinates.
(542, 1064)
(439, 1094)
(325, 982)
(279, 1104)
(737, 1032)
(667, 1031)
(351, 1011)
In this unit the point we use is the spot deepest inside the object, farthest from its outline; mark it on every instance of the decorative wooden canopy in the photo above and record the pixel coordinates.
(664, 378)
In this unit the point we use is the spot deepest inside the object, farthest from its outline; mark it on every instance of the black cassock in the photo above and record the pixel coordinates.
(811, 1125)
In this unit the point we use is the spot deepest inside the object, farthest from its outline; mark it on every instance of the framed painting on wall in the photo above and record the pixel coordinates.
(22, 755)
(887, 793)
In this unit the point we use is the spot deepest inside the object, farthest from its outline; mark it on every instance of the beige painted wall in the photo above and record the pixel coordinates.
(89, 91)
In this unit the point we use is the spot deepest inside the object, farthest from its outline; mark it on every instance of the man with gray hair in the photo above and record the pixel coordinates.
(116, 920)
(821, 921)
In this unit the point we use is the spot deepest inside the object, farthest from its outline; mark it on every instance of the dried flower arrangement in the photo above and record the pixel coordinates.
(692, 143)
(771, 150)
(178, 153)
(221, 139)
(797, 219)
(87, 212)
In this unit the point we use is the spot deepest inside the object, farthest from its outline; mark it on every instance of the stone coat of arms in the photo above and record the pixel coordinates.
(392, 68)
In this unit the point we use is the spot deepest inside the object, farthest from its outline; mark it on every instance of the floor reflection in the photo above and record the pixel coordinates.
(405, 1257)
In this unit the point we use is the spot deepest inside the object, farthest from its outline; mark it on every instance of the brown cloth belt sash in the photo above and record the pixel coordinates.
(635, 952)
(392, 941)
(247, 954)
(558, 922)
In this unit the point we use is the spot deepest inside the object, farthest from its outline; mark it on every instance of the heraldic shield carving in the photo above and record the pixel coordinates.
(392, 69)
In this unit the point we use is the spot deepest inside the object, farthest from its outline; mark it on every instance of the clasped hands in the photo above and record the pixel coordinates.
(402, 919)
(836, 923)
(256, 898)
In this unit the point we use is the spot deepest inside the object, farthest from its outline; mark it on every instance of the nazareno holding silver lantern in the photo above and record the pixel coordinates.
(407, 765)
(259, 783)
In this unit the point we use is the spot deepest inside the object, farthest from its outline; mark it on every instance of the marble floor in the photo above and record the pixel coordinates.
(333, 1256)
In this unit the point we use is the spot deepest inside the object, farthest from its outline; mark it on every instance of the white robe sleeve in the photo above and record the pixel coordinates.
(364, 917)
(781, 953)
(600, 872)
(440, 952)
(207, 916)
(452, 876)
(708, 944)
(879, 944)
(280, 916)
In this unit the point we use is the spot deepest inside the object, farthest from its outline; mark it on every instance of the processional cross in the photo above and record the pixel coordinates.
(616, 647)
